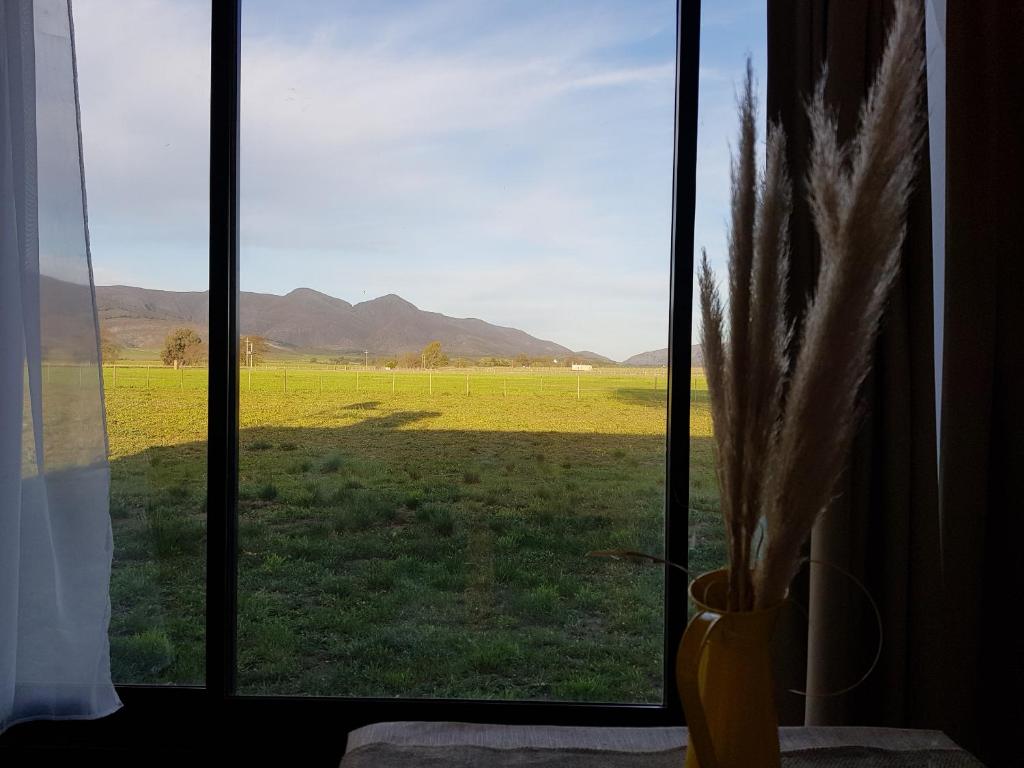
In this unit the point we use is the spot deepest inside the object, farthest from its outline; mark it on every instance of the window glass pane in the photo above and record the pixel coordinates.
(415, 518)
(144, 82)
(730, 31)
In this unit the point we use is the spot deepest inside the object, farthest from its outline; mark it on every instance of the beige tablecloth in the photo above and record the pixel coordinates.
(430, 745)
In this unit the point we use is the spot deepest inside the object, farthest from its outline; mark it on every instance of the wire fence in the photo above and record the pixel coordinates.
(339, 380)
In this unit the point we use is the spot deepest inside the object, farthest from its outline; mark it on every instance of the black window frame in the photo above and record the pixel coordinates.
(167, 720)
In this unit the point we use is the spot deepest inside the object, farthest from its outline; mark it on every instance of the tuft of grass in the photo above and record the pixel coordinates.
(582, 687)
(470, 477)
(174, 535)
(361, 510)
(442, 492)
(142, 656)
(259, 445)
(267, 492)
(311, 496)
(331, 463)
(491, 657)
(120, 508)
(380, 575)
(439, 517)
(539, 604)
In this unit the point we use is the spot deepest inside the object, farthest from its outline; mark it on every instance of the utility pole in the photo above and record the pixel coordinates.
(366, 358)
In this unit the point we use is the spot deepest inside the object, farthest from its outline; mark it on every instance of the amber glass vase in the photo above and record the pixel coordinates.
(724, 674)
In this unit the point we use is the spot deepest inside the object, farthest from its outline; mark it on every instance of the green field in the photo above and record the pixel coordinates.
(399, 536)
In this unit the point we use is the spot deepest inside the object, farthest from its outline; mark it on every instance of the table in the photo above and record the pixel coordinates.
(432, 745)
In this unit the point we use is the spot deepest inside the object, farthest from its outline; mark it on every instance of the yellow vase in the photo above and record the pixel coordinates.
(724, 674)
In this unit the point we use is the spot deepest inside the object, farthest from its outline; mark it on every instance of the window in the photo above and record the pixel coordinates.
(146, 146)
(418, 491)
(280, 583)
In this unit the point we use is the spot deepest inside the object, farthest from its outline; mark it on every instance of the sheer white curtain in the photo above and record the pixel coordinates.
(55, 535)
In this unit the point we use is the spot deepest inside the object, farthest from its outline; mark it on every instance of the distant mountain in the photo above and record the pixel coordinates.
(309, 320)
(660, 357)
(588, 355)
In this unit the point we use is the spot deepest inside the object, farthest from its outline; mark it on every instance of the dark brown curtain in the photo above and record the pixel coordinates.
(982, 430)
(940, 572)
(883, 527)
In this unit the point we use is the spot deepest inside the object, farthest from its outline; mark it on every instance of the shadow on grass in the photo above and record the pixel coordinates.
(368, 405)
(440, 563)
(650, 397)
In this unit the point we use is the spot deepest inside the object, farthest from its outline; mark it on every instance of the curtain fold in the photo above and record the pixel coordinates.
(55, 532)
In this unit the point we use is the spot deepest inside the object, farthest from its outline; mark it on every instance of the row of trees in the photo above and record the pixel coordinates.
(184, 347)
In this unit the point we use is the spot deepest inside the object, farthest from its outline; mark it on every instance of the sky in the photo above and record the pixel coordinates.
(510, 161)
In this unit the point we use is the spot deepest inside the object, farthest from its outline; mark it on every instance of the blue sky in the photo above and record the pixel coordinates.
(503, 160)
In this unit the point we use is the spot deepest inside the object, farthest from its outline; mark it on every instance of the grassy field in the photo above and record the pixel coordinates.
(399, 536)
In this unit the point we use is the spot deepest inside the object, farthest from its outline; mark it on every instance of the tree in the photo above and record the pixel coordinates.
(195, 354)
(110, 350)
(432, 356)
(522, 360)
(410, 360)
(182, 347)
(260, 347)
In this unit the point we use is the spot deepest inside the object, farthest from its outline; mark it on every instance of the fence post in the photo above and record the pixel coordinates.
(181, 379)
(250, 379)
(147, 375)
(114, 383)
(504, 388)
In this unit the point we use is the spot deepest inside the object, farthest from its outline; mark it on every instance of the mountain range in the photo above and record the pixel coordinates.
(305, 319)
(657, 357)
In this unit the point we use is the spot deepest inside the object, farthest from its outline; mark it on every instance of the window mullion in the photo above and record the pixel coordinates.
(222, 476)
